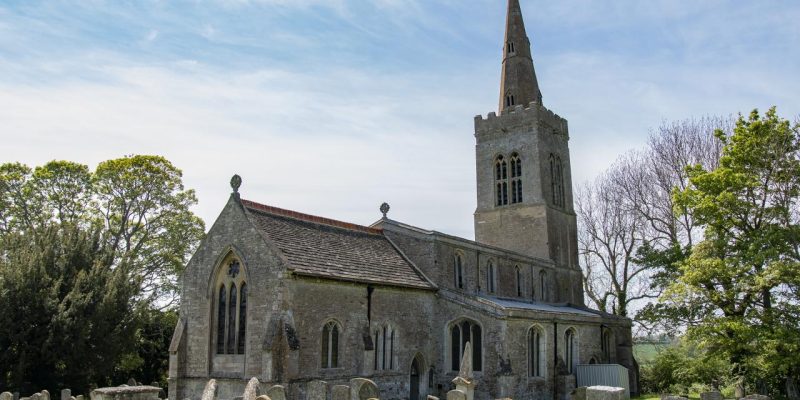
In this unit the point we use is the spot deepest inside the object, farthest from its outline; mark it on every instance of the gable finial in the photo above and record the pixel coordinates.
(385, 209)
(236, 183)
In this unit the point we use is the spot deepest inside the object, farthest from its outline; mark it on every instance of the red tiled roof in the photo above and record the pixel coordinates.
(327, 248)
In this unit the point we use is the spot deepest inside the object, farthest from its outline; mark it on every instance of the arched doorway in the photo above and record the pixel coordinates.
(415, 380)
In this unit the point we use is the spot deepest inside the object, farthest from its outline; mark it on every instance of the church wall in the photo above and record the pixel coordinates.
(263, 267)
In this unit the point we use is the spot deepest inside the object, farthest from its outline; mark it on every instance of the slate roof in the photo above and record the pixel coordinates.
(326, 248)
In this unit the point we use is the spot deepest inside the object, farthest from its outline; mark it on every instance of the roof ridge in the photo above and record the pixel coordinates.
(310, 218)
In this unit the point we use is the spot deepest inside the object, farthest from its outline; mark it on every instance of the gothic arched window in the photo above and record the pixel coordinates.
(557, 180)
(330, 345)
(384, 347)
(605, 345)
(458, 269)
(461, 333)
(519, 281)
(516, 179)
(501, 180)
(570, 356)
(536, 351)
(231, 308)
(491, 277)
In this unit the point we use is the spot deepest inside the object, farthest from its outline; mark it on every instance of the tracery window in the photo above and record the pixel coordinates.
(570, 357)
(557, 180)
(231, 309)
(491, 277)
(536, 352)
(384, 348)
(519, 281)
(516, 179)
(458, 269)
(330, 345)
(501, 180)
(461, 333)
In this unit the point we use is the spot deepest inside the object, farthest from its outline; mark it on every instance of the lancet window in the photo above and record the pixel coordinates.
(501, 180)
(535, 352)
(330, 345)
(231, 309)
(557, 180)
(458, 269)
(516, 179)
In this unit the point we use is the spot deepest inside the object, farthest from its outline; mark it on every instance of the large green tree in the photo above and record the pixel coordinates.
(737, 291)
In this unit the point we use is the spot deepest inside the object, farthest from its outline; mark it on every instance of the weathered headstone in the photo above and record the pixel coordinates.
(317, 390)
(210, 391)
(276, 392)
(16, 395)
(456, 394)
(66, 394)
(363, 389)
(605, 393)
(713, 395)
(6, 396)
(132, 382)
(340, 392)
(36, 396)
(45, 395)
(251, 390)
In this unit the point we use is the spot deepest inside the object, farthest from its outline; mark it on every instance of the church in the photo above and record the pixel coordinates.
(289, 298)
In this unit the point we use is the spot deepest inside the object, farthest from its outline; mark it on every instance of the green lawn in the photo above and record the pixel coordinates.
(645, 352)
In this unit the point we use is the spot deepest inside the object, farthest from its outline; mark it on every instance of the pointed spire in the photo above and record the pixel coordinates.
(518, 84)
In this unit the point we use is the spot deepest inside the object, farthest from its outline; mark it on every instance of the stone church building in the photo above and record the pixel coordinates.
(289, 298)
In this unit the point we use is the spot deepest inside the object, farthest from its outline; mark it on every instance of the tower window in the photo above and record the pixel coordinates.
(516, 179)
(510, 101)
(231, 309)
(491, 276)
(501, 180)
(557, 180)
(458, 269)
(511, 49)
(519, 281)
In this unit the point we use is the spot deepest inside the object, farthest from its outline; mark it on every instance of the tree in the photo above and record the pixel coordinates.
(67, 313)
(737, 292)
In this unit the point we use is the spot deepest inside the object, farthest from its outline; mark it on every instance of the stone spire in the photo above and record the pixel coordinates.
(518, 83)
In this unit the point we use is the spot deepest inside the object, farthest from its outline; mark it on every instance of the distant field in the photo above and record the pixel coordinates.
(645, 352)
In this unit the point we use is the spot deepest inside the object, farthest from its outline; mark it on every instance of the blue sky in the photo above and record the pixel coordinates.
(334, 106)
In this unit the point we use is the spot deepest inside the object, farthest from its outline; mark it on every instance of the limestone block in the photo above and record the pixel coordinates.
(6, 396)
(456, 395)
(605, 393)
(317, 390)
(251, 390)
(713, 395)
(66, 394)
(340, 392)
(276, 392)
(578, 393)
(210, 392)
(363, 389)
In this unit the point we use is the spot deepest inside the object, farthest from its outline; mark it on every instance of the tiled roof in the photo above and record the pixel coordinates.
(327, 248)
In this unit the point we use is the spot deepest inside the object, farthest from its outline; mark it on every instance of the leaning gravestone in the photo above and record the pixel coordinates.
(317, 390)
(713, 395)
(276, 392)
(363, 389)
(340, 392)
(210, 391)
(251, 390)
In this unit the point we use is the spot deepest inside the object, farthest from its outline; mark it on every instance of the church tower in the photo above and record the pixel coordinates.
(523, 169)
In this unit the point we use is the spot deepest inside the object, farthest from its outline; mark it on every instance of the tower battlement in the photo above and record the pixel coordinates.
(520, 116)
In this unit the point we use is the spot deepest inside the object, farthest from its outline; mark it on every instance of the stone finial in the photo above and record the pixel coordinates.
(385, 209)
(466, 363)
(210, 392)
(236, 183)
(251, 390)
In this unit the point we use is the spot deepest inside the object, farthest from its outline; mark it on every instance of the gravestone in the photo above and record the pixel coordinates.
(713, 395)
(276, 392)
(363, 389)
(6, 396)
(132, 382)
(45, 395)
(36, 396)
(210, 392)
(79, 397)
(16, 395)
(317, 390)
(66, 394)
(605, 393)
(340, 392)
(263, 397)
(432, 397)
(456, 395)
(251, 390)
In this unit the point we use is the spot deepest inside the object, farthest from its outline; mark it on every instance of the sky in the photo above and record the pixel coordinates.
(331, 107)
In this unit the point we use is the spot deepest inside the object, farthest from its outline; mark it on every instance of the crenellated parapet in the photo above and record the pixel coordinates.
(534, 115)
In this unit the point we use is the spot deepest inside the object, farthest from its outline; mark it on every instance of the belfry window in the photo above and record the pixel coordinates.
(501, 180)
(330, 345)
(557, 180)
(458, 270)
(535, 352)
(460, 334)
(510, 101)
(516, 179)
(511, 49)
(231, 309)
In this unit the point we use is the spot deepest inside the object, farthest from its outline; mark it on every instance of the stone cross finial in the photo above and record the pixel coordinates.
(236, 183)
(385, 209)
